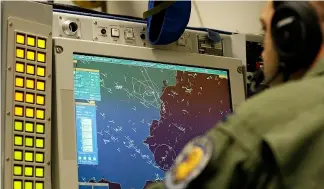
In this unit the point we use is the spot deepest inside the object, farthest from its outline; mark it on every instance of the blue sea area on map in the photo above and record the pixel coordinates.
(130, 101)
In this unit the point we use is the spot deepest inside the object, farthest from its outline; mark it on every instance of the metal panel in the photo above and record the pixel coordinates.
(20, 18)
(64, 144)
(1, 101)
(113, 31)
(65, 165)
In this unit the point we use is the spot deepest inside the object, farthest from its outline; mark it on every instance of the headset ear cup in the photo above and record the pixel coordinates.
(287, 32)
(296, 34)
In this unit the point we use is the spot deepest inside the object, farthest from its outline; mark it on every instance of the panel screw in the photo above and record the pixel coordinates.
(48, 163)
(7, 159)
(78, 37)
(59, 49)
(60, 17)
(49, 75)
(240, 69)
(9, 68)
(95, 22)
(10, 24)
(8, 113)
(95, 39)
(49, 119)
(50, 33)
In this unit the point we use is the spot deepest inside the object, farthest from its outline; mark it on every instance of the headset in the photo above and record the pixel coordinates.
(297, 38)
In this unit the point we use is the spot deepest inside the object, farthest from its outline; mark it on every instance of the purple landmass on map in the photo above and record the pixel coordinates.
(188, 109)
(113, 185)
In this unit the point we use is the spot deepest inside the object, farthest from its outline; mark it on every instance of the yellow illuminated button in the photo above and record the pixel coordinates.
(29, 112)
(18, 140)
(30, 55)
(31, 41)
(40, 85)
(39, 185)
(29, 156)
(40, 57)
(20, 53)
(19, 82)
(30, 69)
(29, 141)
(17, 184)
(19, 96)
(18, 125)
(29, 127)
(28, 171)
(20, 67)
(39, 172)
(39, 143)
(18, 155)
(40, 114)
(28, 185)
(41, 43)
(19, 111)
(40, 71)
(40, 128)
(17, 170)
(40, 99)
(30, 98)
(30, 83)
(39, 157)
(20, 39)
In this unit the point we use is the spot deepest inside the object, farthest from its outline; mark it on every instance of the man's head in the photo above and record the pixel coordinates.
(269, 53)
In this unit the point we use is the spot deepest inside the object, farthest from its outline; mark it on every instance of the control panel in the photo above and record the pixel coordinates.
(26, 93)
(33, 89)
(131, 33)
(247, 48)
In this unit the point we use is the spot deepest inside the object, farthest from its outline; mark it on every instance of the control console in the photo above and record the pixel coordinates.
(130, 33)
(247, 48)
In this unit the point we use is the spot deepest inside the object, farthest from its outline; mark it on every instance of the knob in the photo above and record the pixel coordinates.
(70, 28)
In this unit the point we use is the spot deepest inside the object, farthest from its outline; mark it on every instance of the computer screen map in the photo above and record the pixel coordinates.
(134, 117)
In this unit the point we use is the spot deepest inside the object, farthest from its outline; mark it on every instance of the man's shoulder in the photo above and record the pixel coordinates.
(287, 121)
(283, 103)
(298, 93)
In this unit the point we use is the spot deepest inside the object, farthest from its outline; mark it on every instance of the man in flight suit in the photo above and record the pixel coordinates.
(275, 139)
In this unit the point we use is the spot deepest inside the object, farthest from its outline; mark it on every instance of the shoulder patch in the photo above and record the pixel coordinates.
(192, 160)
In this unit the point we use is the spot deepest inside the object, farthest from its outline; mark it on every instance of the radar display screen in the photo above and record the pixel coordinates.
(133, 117)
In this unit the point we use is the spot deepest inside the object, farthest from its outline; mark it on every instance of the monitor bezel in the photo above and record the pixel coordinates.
(64, 145)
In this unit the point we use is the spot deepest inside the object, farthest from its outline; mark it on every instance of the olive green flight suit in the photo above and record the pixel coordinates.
(274, 140)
